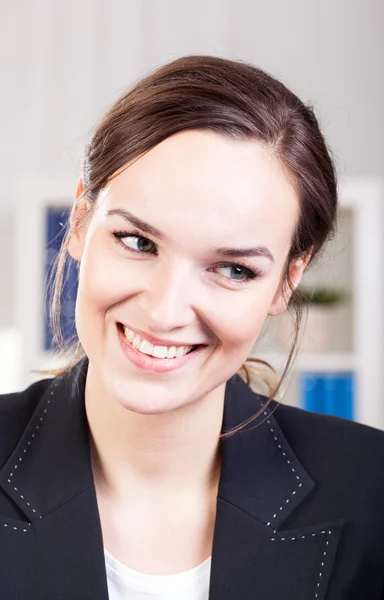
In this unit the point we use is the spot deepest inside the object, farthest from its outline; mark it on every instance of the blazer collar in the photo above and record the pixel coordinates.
(260, 473)
(262, 483)
(51, 463)
(49, 477)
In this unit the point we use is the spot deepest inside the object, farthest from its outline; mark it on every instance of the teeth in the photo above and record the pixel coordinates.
(160, 351)
(172, 352)
(146, 347)
(129, 334)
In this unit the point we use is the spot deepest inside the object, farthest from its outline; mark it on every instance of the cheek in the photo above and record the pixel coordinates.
(103, 278)
(101, 287)
(238, 320)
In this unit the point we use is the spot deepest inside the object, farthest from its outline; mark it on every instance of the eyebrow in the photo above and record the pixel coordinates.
(128, 216)
(259, 251)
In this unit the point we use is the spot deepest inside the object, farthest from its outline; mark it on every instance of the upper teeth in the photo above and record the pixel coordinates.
(146, 347)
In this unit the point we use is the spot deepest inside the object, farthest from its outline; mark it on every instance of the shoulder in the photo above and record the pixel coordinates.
(329, 446)
(16, 410)
(23, 402)
(306, 426)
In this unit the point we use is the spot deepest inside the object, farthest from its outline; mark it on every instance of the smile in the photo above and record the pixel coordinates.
(156, 358)
(146, 347)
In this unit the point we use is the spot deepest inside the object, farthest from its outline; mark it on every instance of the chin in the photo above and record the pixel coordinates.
(147, 398)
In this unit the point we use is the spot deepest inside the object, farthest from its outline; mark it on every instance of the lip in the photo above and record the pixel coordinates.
(157, 341)
(151, 363)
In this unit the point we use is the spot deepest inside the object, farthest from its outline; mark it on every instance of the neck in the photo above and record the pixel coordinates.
(177, 451)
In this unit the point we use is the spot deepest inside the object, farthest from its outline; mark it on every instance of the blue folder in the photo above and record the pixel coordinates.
(56, 224)
(328, 393)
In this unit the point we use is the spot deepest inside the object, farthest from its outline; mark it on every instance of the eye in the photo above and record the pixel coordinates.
(237, 273)
(135, 242)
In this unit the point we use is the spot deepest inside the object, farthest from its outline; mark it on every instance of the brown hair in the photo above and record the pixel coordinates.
(233, 99)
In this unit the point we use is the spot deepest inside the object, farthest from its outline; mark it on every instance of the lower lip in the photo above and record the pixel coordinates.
(151, 363)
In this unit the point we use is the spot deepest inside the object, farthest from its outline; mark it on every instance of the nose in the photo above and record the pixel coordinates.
(169, 299)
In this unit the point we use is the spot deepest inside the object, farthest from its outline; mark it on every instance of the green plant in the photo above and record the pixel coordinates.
(320, 296)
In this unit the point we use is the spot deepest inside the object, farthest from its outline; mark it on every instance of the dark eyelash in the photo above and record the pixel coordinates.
(250, 273)
(119, 235)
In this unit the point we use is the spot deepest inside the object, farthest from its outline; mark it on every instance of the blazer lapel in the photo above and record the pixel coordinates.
(262, 484)
(49, 478)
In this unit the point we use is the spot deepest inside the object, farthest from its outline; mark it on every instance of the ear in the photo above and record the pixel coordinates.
(284, 293)
(77, 223)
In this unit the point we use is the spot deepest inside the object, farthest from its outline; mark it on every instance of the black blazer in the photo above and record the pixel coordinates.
(300, 508)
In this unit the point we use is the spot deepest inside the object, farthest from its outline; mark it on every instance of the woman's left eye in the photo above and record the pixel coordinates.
(134, 242)
(237, 273)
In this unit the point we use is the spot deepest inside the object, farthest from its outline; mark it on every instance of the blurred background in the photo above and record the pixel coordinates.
(63, 63)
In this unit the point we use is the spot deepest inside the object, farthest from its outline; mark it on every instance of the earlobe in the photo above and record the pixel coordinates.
(284, 293)
(80, 209)
(279, 304)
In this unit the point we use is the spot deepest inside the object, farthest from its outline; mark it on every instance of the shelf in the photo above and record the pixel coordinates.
(312, 362)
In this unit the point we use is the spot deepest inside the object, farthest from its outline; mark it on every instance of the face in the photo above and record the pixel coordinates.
(181, 261)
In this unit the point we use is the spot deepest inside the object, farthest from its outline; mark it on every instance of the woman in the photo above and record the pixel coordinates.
(149, 469)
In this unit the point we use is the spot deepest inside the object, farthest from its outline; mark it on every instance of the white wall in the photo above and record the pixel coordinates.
(63, 62)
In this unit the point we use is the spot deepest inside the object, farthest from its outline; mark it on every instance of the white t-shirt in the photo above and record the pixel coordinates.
(126, 584)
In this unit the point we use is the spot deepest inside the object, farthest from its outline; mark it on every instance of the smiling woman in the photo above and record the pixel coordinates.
(206, 191)
(199, 97)
(184, 290)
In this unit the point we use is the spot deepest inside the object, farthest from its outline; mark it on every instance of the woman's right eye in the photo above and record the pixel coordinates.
(135, 243)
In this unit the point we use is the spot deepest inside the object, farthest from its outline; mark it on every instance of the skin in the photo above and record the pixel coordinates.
(157, 434)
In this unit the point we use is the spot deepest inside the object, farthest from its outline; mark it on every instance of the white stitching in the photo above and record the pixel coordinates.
(322, 565)
(17, 528)
(24, 453)
(303, 537)
(266, 413)
(33, 435)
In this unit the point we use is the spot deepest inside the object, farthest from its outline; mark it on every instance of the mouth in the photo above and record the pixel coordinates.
(155, 357)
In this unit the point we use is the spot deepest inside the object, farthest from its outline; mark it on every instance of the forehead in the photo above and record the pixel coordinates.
(206, 183)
